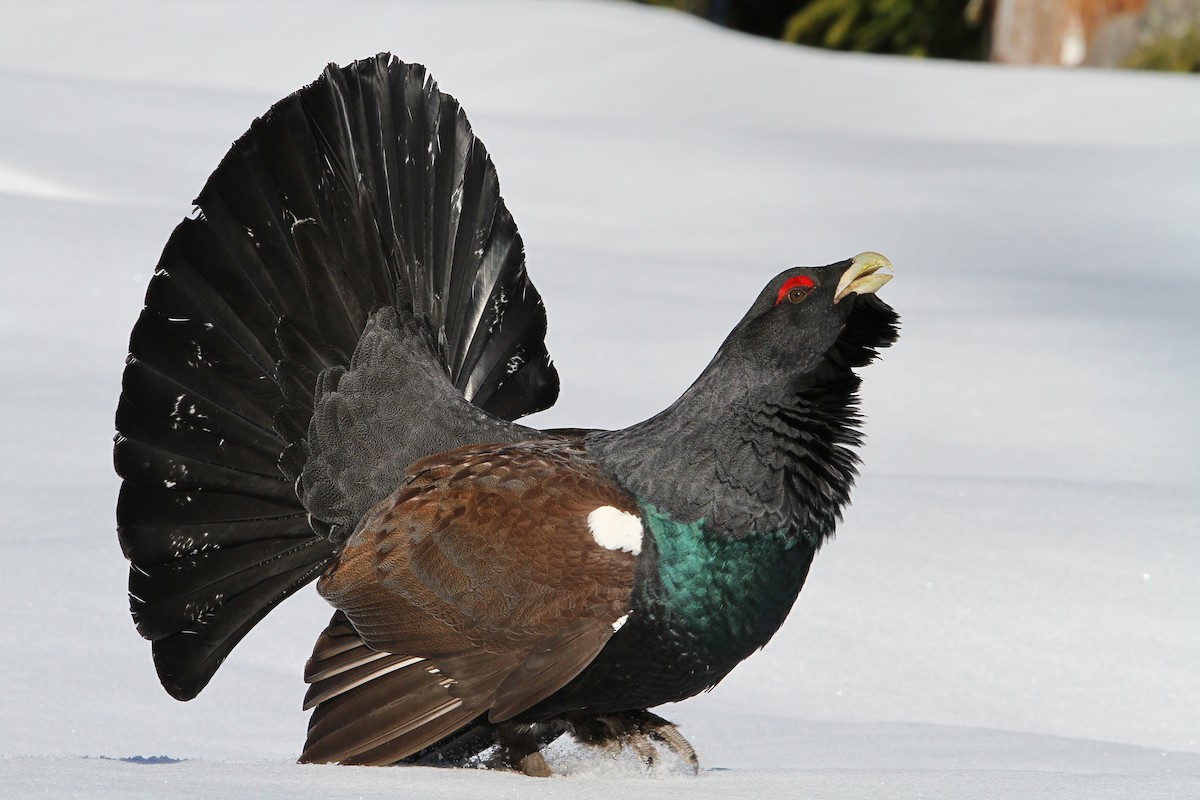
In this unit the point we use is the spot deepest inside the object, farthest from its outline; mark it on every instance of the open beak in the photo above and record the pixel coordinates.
(864, 275)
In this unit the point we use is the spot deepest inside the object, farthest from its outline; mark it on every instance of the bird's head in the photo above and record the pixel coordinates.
(768, 430)
(807, 316)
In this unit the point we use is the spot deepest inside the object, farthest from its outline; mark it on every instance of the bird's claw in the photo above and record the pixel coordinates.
(663, 731)
(637, 730)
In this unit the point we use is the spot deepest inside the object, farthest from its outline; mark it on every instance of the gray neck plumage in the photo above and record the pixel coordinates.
(745, 450)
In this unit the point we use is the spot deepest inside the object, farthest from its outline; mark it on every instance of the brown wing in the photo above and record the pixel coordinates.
(477, 587)
(373, 707)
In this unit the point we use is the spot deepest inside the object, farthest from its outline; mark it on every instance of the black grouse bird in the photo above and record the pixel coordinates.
(322, 384)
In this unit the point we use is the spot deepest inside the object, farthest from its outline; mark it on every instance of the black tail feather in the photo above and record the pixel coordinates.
(187, 659)
(366, 189)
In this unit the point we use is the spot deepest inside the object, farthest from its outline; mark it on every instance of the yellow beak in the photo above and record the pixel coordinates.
(863, 276)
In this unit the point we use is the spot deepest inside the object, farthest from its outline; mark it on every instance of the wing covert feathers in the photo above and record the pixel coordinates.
(366, 190)
(482, 570)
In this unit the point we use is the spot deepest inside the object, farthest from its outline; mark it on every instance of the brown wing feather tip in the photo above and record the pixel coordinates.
(324, 690)
(418, 740)
(354, 752)
(373, 707)
(405, 725)
(342, 662)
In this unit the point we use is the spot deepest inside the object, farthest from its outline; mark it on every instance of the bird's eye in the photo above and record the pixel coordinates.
(795, 289)
(799, 293)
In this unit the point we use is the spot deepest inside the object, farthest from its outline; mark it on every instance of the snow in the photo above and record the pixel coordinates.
(1011, 606)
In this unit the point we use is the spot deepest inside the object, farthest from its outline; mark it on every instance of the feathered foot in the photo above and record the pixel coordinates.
(639, 730)
(521, 750)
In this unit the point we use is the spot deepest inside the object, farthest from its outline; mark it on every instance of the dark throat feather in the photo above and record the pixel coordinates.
(753, 451)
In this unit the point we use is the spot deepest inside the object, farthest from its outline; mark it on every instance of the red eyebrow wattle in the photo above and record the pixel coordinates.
(792, 283)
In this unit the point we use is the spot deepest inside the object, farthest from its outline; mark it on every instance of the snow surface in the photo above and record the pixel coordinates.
(1011, 607)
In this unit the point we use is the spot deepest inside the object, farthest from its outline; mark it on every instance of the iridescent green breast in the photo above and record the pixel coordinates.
(730, 594)
(703, 602)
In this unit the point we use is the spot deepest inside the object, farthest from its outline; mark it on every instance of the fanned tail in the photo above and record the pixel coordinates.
(366, 190)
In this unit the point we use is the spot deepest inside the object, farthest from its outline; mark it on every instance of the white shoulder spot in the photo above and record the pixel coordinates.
(615, 529)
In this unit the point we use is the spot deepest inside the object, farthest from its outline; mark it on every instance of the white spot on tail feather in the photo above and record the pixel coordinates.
(615, 529)
(620, 623)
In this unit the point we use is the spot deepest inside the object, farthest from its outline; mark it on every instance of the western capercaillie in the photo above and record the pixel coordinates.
(322, 386)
